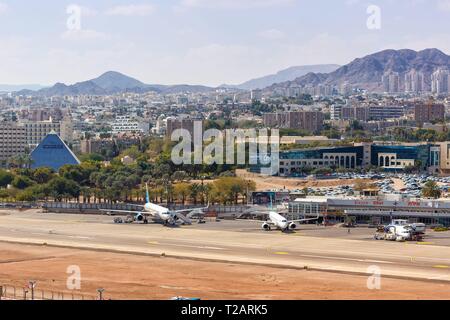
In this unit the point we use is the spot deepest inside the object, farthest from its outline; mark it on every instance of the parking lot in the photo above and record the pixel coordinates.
(408, 185)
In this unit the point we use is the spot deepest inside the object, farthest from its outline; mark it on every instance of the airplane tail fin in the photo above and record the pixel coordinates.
(147, 193)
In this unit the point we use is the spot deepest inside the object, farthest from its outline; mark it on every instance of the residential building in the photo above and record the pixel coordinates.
(13, 142)
(440, 83)
(303, 120)
(178, 123)
(430, 112)
(96, 145)
(384, 112)
(36, 131)
(124, 124)
(391, 82)
(256, 95)
(414, 82)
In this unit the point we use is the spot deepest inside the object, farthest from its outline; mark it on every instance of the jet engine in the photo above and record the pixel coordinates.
(266, 227)
(139, 217)
(292, 226)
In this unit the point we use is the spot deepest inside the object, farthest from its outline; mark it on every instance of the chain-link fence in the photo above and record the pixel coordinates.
(16, 293)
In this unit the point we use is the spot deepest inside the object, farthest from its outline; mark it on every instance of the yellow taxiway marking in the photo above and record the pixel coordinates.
(425, 243)
(281, 253)
(441, 267)
(153, 242)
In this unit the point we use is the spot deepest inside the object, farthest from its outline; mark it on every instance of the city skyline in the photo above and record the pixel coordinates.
(193, 41)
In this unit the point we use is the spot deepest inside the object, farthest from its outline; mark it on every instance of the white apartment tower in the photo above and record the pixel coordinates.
(440, 81)
(391, 82)
(414, 82)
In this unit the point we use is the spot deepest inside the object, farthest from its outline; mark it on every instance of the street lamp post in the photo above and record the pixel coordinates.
(32, 285)
(100, 293)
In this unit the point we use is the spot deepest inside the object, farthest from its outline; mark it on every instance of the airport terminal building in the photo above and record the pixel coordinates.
(368, 210)
(434, 158)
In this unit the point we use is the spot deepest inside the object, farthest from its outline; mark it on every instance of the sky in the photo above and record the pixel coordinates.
(209, 42)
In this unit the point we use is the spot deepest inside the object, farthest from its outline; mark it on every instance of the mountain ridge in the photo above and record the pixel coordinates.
(112, 82)
(288, 74)
(366, 72)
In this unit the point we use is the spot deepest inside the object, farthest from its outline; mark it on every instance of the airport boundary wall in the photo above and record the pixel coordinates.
(9, 292)
(96, 208)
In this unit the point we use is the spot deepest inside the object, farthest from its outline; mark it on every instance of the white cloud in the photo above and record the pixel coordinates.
(88, 12)
(83, 34)
(272, 34)
(234, 3)
(3, 7)
(131, 10)
(444, 5)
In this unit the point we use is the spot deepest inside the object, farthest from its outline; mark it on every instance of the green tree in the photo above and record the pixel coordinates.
(42, 175)
(182, 191)
(21, 182)
(62, 188)
(431, 190)
(5, 178)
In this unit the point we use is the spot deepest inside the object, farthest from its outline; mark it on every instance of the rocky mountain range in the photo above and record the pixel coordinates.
(367, 72)
(112, 82)
(289, 74)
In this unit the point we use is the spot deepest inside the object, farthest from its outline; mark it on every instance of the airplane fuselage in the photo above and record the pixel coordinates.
(160, 212)
(279, 222)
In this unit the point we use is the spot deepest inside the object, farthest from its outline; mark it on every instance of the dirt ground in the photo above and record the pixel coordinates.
(140, 277)
(264, 183)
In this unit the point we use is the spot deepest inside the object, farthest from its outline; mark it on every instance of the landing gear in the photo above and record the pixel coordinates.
(145, 221)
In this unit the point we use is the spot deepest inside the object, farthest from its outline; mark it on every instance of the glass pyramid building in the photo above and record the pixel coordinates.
(52, 152)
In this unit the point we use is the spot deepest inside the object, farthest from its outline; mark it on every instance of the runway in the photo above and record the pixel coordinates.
(234, 241)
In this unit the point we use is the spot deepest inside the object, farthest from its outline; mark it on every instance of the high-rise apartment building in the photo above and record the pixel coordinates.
(440, 83)
(36, 131)
(12, 142)
(256, 95)
(414, 82)
(428, 112)
(186, 124)
(391, 82)
(303, 120)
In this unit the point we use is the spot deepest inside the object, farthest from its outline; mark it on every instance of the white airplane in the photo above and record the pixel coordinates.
(158, 214)
(279, 222)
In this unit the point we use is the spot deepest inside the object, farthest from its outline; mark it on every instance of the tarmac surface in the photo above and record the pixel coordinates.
(318, 248)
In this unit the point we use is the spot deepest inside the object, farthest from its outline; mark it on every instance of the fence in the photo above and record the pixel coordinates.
(95, 208)
(15, 293)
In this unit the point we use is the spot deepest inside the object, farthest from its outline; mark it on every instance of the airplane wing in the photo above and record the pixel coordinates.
(114, 212)
(195, 210)
(304, 220)
(257, 221)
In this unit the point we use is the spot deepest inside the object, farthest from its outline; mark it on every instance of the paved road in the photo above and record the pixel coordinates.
(232, 241)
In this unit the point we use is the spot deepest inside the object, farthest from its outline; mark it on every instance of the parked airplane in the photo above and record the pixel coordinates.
(277, 221)
(281, 223)
(158, 214)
